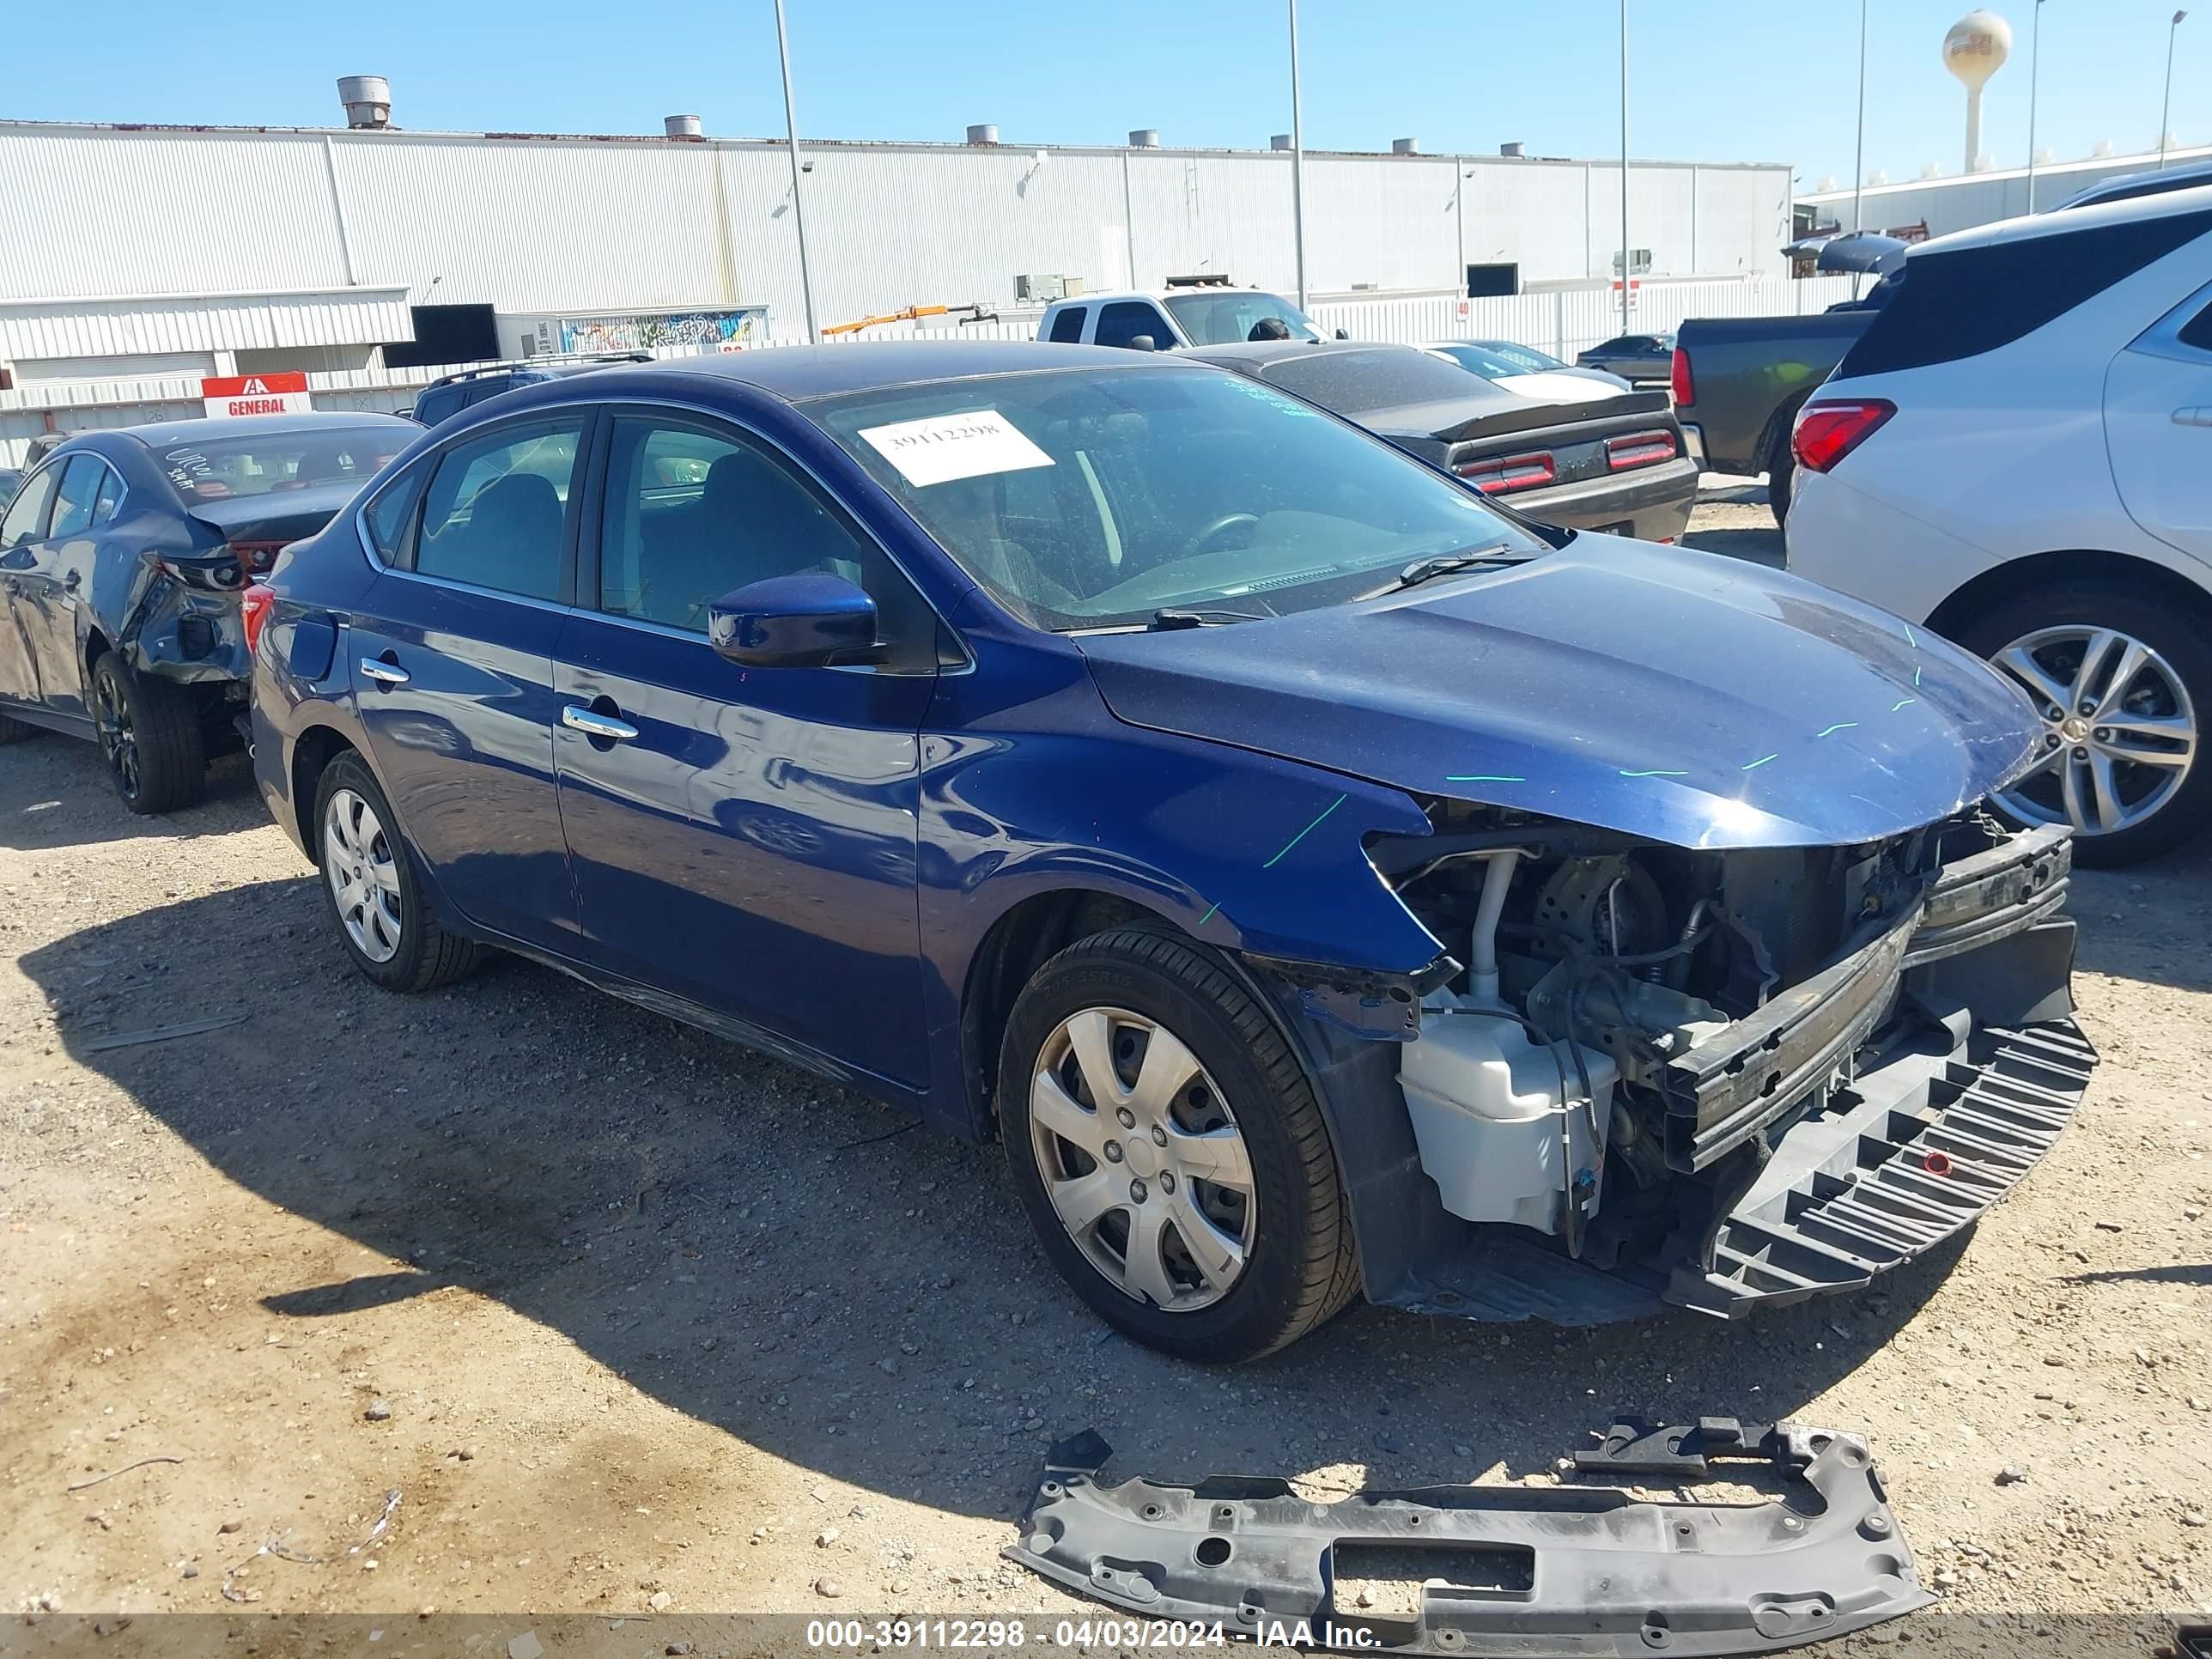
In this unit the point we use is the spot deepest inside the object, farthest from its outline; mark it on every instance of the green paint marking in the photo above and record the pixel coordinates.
(1208, 917)
(1901, 702)
(1761, 761)
(1909, 640)
(1308, 830)
(1655, 772)
(1840, 725)
(1485, 777)
(1916, 676)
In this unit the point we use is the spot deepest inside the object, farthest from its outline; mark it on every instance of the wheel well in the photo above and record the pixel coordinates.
(1776, 436)
(318, 746)
(96, 647)
(1018, 944)
(1992, 587)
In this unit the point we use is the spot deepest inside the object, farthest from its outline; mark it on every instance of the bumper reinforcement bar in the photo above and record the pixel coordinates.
(1538, 1573)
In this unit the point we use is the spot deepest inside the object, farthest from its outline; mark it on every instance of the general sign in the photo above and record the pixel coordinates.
(256, 394)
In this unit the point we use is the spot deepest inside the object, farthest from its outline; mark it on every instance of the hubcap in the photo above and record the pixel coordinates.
(119, 738)
(2119, 732)
(358, 862)
(1143, 1159)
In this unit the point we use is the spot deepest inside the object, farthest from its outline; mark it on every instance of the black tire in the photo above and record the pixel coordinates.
(2182, 635)
(149, 736)
(426, 954)
(1781, 476)
(1299, 1270)
(14, 731)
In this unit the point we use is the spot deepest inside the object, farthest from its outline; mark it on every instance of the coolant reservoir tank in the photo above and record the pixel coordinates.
(1495, 1112)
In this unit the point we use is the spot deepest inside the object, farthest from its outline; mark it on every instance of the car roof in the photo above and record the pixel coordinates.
(2029, 227)
(199, 431)
(797, 373)
(1163, 292)
(2183, 175)
(1253, 353)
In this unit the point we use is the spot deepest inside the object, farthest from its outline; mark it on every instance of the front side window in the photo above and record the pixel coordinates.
(1125, 320)
(1092, 498)
(693, 512)
(1225, 318)
(493, 512)
(27, 514)
(73, 501)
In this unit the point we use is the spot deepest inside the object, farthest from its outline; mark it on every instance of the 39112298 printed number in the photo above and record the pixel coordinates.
(999, 1635)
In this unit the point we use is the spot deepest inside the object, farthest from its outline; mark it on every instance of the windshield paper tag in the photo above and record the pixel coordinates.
(948, 447)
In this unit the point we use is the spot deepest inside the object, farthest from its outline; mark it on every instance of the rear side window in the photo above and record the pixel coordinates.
(26, 513)
(494, 513)
(1067, 327)
(1961, 304)
(110, 498)
(80, 489)
(1124, 320)
(391, 517)
(2197, 332)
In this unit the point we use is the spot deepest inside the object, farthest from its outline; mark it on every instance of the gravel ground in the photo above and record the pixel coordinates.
(635, 1320)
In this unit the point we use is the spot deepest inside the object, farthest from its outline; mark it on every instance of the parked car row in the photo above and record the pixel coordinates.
(1322, 880)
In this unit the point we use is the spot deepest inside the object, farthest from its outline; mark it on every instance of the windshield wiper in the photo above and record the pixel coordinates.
(1171, 618)
(1443, 564)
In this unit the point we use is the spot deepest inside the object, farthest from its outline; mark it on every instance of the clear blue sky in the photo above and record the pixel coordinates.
(1715, 80)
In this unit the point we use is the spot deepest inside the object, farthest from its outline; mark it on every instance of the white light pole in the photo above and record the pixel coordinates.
(2166, 108)
(797, 212)
(1858, 166)
(1625, 260)
(1298, 163)
(2034, 61)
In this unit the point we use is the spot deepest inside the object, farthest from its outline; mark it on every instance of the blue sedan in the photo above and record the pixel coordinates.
(1320, 879)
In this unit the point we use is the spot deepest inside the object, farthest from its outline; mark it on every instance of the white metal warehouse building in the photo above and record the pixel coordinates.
(235, 250)
(1962, 200)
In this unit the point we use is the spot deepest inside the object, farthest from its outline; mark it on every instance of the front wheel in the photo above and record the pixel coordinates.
(1169, 1151)
(2123, 684)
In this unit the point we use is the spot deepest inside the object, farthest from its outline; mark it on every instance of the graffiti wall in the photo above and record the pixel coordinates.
(735, 330)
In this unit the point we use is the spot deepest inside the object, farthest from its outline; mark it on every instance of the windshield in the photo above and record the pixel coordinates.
(1094, 497)
(1513, 358)
(216, 469)
(1228, 316)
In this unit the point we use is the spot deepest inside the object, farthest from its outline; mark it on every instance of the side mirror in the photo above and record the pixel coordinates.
(810, 620)
(1343, 334)
(1143, 343)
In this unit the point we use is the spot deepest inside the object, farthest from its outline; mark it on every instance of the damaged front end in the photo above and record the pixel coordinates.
(1720, 1079)
(1545, 1573)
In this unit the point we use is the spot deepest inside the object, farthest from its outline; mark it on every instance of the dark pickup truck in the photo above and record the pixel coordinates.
(1740, 381)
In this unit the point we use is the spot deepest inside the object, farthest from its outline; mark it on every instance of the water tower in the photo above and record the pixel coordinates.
(1974, 50)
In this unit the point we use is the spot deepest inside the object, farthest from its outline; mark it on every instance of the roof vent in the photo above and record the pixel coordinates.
(1930, 170)
(367, 99)
(1515, 149)
(1405, 147)
(680, 127)
(1280, 141)
(1879, 176)
(1144, 138)
(2101, 148)
(984, 132)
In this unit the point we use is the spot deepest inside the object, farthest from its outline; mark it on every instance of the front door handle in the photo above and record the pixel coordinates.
(593, 724)
(2200, 416)
(384, 673)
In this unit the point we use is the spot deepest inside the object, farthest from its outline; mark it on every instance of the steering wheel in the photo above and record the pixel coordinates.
(1220, 527)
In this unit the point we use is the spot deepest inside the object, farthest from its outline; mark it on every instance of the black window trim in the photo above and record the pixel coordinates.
(2163, 337)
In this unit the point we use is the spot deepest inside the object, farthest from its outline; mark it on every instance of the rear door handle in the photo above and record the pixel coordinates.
(2200, 416)
(384, 673)
(593, 724)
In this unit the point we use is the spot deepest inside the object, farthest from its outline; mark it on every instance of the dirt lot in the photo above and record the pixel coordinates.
(634, 1320)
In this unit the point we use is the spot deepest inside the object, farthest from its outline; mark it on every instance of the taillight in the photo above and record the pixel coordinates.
(1639, 449)
(257, 602)
(1826, 432)
(1512, 472)
(1680, 381)
(254, 557)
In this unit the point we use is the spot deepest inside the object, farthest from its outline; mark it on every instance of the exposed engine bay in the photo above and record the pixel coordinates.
(1735, 1076)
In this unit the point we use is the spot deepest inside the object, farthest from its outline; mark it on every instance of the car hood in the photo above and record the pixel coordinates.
(1685, 697)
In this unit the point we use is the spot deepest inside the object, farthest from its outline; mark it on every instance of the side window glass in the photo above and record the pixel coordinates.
(390, 517)
(110, 497)
(692, 514)
(493, 513)
(73, 501)
(1124, 320)
(26, 513)
(2197, 332)
(1067, 327)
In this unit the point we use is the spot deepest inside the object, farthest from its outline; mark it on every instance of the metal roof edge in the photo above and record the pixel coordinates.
(379, 293)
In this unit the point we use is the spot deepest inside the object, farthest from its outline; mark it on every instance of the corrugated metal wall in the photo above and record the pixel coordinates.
(1962, 201)
(216, 321)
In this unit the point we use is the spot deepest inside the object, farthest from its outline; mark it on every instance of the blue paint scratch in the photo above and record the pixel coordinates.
(1761, 761)
(1655, 772)
(1840, 725)
(1308, 830)
(1485, 777)
(1901, 702)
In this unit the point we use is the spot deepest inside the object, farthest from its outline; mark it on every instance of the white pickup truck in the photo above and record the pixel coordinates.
(1174, 319)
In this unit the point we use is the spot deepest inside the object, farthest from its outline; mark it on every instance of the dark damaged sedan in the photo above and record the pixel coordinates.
(1319, 882)
(123, 559)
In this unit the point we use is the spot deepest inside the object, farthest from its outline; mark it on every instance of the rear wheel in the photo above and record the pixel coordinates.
(1781, 476)
(150, 736)
(2124, 684)
(376, 898)
(1169, 1151)
(14, 731)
